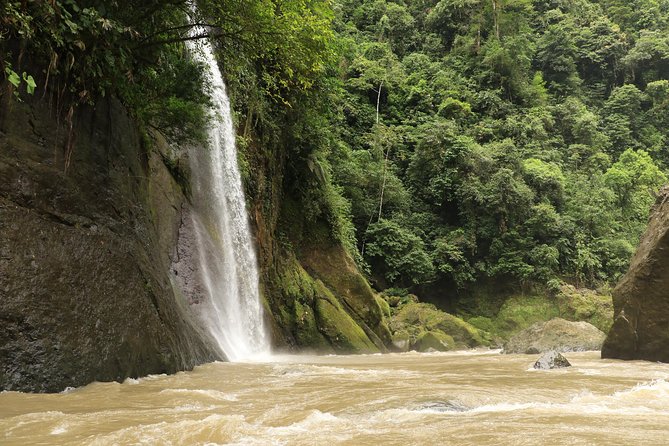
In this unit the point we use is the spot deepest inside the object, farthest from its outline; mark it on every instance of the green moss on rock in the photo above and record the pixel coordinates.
(383, 304)
(581, 304)
(312, 314)
(434, 340)
(521, 311)
(341, 330)
(402, 341)
(306, 329)
(556, 335)
(329, 262)
(416, 318)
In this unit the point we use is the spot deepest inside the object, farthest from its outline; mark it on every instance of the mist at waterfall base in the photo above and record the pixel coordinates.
(228, 304)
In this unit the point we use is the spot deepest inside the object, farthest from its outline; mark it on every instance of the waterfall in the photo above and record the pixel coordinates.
(228, 304)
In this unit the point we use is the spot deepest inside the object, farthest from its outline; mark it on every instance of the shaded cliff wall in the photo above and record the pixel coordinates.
(316, 297)
(85, 292)
(641, 299)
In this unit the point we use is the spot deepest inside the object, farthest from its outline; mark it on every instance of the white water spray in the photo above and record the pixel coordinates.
(230, 309)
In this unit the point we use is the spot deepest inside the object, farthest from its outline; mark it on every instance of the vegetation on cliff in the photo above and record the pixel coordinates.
(80, 51)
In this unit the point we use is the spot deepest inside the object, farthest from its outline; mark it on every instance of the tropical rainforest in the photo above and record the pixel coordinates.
(447, 143)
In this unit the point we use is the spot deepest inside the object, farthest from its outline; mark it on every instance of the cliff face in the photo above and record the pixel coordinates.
(641, 299)
(85, 292)
(316, 297)
(87, 258)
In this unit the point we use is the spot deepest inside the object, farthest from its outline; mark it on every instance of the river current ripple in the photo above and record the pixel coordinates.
(464, 398)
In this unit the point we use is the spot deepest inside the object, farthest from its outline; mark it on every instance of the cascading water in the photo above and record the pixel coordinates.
(229, 304)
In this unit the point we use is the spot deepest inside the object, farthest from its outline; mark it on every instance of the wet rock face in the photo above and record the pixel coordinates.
(558, 335)
(84, 257)
(641, 299)
(551, 360)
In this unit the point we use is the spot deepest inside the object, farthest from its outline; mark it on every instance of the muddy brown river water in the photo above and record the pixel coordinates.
(466, 398)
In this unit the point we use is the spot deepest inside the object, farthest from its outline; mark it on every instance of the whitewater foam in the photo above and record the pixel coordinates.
(215, 394)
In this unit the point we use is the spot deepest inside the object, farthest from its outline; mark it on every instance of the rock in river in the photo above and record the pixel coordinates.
(551, 360)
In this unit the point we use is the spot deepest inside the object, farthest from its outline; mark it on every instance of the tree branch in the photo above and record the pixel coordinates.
(175, 40)
(205, 35)
(177, 28)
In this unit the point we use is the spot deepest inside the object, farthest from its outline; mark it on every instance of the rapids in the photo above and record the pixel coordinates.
(464, 398)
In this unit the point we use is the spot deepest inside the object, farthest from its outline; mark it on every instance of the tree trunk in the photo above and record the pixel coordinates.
(378, 101)
(383, 183)
(495, 16)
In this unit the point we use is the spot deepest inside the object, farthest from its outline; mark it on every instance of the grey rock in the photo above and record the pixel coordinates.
(551, 360)
(557, 334)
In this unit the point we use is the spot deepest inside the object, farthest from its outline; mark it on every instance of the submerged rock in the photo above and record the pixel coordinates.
(443, 406)
(551, 360)
(641, 298)
(557, 334)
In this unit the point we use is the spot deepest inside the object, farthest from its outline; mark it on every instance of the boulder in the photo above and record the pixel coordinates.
(641, 298)
(557, 334)
(432, 341)
(419, 318)
(551, 360)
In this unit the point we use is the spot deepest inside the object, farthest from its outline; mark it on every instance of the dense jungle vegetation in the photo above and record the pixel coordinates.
(446, 142)
(520, 140)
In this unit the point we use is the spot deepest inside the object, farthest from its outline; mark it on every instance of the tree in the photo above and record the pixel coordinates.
(635, 179)
(436, 167)
(623, 118)
(397, 254)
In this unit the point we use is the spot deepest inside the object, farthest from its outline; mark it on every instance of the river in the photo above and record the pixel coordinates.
(465, 398)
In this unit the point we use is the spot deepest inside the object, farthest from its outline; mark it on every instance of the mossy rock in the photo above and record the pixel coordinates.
(383, 304)
(341, 330)
(296, 284)
(519, 312)
(434, 340)
(556, 335)
(306, 329)
(315, 318)
(466, 334)
(329, 262)
(430, 318)
(482, 323)
(516, 314)
(409, 299)
(393, 301)
(581, 304)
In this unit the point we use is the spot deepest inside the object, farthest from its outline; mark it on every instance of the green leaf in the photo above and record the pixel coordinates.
(13, 77)
(30, 83)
